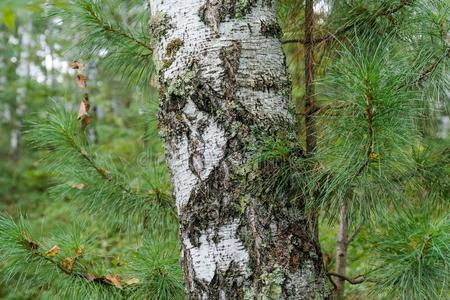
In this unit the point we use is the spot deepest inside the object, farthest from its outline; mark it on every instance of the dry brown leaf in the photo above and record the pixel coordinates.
(114, 280)
(90, 277)
(83, 111)
(81, 81)
(53, 251)
(86, 120)
(67, 264)
(132, 281)
(75, 65)
(78, 186)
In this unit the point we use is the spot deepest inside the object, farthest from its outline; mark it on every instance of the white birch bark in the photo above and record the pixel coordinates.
(23, 70)
(224, 86)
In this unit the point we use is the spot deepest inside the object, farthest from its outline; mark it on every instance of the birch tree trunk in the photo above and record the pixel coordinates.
(223, 87)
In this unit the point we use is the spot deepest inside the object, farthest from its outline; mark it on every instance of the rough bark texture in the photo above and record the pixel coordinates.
(224, 87)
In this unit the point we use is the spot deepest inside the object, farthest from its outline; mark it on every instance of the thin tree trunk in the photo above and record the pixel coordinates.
(341, 253)
(223, 88)
(23, 71)
(310, 104)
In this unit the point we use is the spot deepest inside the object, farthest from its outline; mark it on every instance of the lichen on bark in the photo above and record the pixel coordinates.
(213, 12)
(158, 25)
(171, 50)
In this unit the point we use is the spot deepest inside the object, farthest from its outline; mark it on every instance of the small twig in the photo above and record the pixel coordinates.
(332, 282)
(357, 280)
(421, 78)
(431, 68)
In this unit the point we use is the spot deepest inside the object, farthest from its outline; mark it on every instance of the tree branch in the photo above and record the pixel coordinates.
(109, 28)
(370, 154)
(428, 71)
(357, 280)
(33, 248)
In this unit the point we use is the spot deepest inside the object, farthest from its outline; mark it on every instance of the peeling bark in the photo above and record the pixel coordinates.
(226, 88)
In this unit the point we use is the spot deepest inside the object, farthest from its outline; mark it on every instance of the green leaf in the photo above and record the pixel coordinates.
(9, 19)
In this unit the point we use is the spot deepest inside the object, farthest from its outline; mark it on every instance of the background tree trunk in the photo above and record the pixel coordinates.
(224, 87)
(341, 253)
(310, 104)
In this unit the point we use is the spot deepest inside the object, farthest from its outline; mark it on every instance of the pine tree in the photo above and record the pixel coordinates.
(380, 70)
(252, 180)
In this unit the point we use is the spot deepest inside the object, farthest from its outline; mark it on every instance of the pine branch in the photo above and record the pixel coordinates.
(68, 271)
(103, 191)
(382, 12)
(120, 49)
(421, 78)
(364, 142)
(432, 67)
(27, 261)
(100, 170)
(413, 253)
(89, 277)
(370, 155)
(108, 28)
